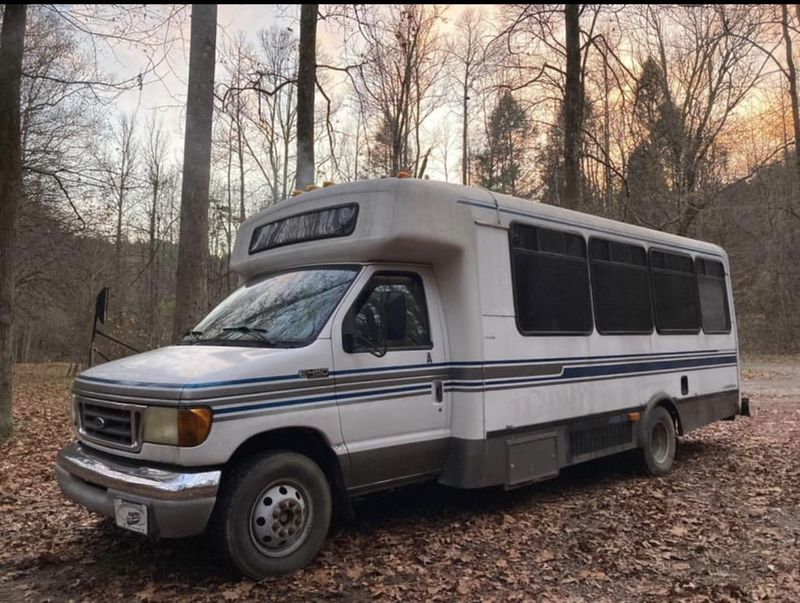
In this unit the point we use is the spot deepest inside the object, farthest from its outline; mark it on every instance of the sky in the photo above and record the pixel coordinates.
(164, 92)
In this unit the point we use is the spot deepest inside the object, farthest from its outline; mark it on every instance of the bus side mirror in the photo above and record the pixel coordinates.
(101, 306)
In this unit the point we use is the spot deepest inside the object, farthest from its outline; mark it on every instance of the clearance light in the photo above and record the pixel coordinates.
(311, 187)
(296, 192)
(327, 183)
(403, 175)
(634, 416)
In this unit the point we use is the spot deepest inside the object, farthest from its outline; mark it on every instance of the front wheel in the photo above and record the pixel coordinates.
(658, 442)
(273, 514)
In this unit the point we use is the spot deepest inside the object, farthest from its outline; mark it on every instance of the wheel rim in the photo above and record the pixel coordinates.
(659, 443)
(280, 518)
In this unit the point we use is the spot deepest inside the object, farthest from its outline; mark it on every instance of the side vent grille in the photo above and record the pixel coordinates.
(600, 437)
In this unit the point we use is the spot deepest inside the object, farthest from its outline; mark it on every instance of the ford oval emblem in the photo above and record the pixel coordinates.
(99, 422)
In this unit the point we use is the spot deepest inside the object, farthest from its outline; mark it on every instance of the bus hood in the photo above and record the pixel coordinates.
(187, 372)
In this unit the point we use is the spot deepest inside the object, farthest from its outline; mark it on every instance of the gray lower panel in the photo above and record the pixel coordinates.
(521, 455)
(389, 466)
(701, 410)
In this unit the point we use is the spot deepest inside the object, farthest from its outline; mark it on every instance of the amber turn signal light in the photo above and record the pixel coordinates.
(193, 426)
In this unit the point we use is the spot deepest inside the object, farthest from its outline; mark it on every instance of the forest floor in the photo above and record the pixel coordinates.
(723, 525)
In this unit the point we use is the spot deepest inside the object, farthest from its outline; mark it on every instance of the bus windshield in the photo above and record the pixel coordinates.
(284, 309)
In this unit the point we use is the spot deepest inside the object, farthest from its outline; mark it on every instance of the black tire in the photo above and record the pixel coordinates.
(303, 506)
(658, 443)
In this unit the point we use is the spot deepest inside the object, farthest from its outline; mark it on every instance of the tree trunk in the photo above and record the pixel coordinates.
(464, 148)
(306, 84)
(573, 110)
(12, 42)
(191, 291)
(152, 294)
(792, 74)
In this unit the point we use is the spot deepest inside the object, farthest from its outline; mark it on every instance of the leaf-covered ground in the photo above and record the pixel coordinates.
(724, 525)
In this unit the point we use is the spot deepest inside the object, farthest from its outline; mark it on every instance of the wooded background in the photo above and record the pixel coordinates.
(680, 118)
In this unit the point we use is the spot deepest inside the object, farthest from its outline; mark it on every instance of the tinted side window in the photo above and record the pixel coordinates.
(389, 292)
(621, 287)
(674, 293)
(551, 281)
(714, 309)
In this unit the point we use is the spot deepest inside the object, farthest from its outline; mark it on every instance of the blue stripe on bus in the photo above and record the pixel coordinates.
(426, 387)
(603, 371)
(455, 364)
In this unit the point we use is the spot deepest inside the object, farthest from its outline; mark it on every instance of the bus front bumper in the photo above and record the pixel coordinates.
(177, 503)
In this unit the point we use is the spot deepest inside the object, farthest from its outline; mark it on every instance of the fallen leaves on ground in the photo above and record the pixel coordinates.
(724, 525)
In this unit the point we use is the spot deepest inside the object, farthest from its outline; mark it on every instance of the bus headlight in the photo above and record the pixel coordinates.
(176, 426)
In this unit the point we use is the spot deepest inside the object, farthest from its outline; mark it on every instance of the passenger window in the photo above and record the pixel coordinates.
(551, 281)
(621, 287)
(713, 297)
(391, 312)
(675, 293)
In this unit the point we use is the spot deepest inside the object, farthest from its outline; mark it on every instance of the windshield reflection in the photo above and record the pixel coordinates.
(286, 309)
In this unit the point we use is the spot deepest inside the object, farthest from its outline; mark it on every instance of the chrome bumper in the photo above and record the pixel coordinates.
(179, 503)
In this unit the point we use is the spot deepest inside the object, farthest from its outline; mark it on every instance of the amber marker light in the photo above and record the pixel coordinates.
(403, 175)
(634, 416)
(193, 426)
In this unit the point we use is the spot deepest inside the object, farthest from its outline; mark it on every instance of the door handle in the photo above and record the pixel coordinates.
(438, 390)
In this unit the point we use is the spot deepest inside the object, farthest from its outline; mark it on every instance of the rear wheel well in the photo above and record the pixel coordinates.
(308, 442)
(669, 405)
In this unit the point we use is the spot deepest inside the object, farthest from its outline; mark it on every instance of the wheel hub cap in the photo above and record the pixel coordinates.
(279, 520)
(660, 443)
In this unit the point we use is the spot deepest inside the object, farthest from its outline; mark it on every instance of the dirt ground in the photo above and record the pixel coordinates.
(723, 525)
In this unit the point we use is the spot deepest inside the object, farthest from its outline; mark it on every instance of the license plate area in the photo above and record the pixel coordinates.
(131, 516)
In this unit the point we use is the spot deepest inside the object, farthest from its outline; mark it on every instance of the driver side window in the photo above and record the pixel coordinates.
(391, 313)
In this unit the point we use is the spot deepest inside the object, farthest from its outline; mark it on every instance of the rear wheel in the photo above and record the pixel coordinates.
(658, 442)
(273, 514)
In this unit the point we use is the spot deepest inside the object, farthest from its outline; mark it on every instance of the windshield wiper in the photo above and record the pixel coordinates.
(195, 334)
(248, 329)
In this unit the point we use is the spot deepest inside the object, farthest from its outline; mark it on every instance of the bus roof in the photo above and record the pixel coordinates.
(411, 220)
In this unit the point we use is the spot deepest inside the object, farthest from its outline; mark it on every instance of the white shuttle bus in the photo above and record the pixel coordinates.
(397, 330)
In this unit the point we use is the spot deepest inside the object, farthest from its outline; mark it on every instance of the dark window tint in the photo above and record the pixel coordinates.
(621, 287)
(551, 281)
(674, 293)
(713, 297)
(392, 304)
(309, 226)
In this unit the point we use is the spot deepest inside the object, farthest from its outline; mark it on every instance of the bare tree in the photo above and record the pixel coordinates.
(700, 91)
(157, 176)
(396, 83)
(573, 108)
(117, 171)
(791, 75)
(191, 295)
(12, 43)
(306, 85)
(469, 51)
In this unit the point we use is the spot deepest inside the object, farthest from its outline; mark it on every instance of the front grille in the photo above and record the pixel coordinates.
(110, 423)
